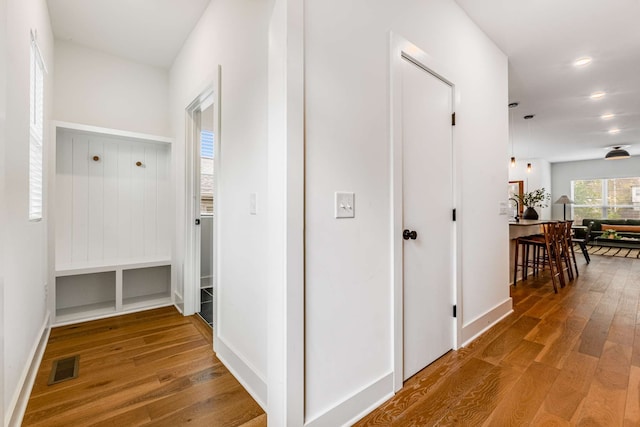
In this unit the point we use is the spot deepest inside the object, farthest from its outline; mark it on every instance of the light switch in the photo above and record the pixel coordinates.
(503, 208)
(344, 205)
(252, 204)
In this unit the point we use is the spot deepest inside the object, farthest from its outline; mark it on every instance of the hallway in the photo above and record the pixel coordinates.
(566, 359)
(149, 368)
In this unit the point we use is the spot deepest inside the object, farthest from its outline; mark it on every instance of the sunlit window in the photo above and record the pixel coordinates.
(609, 198)
(36, 133)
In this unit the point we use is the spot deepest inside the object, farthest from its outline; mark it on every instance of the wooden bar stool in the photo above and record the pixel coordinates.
(546, 254)
(564, 254)
(552, 245)
(569, 244)
(531, 248)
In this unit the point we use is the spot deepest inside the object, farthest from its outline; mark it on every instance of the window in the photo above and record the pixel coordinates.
(36, 132)
(206, 172)
(606, 198)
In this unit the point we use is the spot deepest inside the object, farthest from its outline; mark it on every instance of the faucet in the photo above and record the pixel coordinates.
(517, 208)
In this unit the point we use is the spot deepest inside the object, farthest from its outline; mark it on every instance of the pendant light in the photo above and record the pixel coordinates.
(617, 152)
(511, 107)
(529, 117)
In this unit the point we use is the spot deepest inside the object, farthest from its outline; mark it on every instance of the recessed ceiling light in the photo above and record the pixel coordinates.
(607, 116)
(597, 95)
(582, 61)
(614, 131)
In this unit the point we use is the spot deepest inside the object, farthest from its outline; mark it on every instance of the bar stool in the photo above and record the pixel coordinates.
(546, 254)
(564, 254)
(531, 248)
(569, 244)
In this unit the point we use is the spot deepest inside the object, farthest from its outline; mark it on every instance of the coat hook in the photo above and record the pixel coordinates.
(96, 158)
(138, 163)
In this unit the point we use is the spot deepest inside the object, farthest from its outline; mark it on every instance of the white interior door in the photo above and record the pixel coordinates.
(427, 197)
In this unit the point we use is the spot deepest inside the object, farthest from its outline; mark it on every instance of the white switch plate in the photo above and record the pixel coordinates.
(503, 208)
(253, 203)
(344, 205)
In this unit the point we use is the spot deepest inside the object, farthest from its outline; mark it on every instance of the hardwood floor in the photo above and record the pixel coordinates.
(571, 358)
(151, 368)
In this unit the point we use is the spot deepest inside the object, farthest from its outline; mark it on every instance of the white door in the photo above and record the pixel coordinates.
(427, 195)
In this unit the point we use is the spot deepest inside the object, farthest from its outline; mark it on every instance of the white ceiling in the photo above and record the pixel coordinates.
(542, 38)
(147, 31)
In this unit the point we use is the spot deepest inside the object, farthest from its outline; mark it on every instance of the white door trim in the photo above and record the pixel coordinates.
(191, 284)
(285, 215)
(401, 50)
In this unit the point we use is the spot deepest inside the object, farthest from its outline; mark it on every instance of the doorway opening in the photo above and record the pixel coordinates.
(207, 153)
(200, 293)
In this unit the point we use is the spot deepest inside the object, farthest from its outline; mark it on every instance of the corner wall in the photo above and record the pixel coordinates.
(348, 311)
(24, 251)
(234, 34)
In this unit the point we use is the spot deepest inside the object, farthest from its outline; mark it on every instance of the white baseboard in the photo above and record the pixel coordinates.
(242, 371)
(18, 405)
(360, 403)
(476, 327)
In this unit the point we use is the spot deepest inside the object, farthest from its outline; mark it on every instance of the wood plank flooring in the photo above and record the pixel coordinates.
(150, 368)
(565, 359)
(571, 358)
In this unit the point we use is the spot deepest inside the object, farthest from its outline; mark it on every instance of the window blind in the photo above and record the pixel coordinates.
(36, 133)
(206, 144)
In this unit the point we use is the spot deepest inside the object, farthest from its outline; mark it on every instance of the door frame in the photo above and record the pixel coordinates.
(402, 50)
(210, 96)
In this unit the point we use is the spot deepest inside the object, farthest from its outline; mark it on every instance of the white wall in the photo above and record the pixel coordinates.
(539, 177)
(232, 33)
(3, 112)
(563, 173)
(348, 289)
(24, 251)
(99, 89)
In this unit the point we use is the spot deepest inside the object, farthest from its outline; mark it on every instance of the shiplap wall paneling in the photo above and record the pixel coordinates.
(111, 209)
(64, 198)
(150, 224)
(80, 200)
(137, 202)
(125, 200)
(111, 197)
(151, 200)
(164, 201)
(95, 196)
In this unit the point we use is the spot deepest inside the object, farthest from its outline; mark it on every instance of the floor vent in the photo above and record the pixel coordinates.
(64, 369)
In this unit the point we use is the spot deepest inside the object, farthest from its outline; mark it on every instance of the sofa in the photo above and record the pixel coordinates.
(629, 228)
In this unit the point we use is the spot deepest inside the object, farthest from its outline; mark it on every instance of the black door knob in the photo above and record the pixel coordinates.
(197, 221)
(408, 234)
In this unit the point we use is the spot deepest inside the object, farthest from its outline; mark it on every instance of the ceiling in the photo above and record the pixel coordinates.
(542, 39)
(147, 31)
